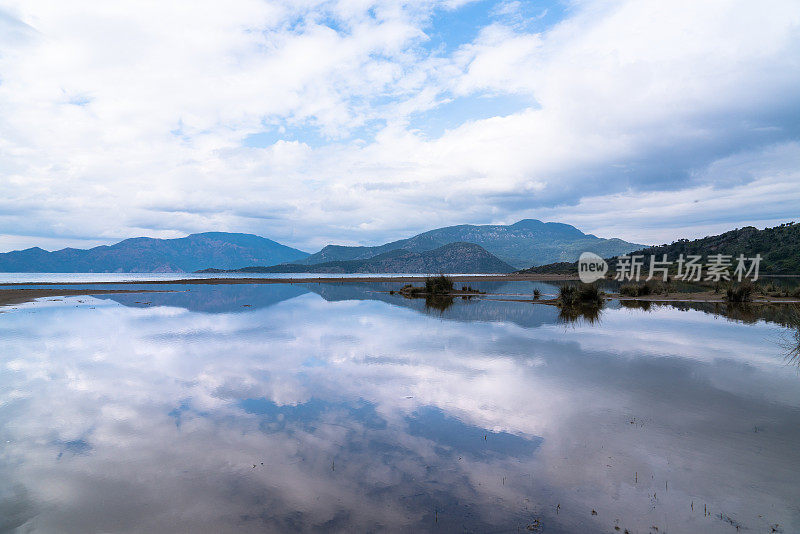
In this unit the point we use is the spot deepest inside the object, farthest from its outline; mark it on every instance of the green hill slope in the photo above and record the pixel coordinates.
(779, 248)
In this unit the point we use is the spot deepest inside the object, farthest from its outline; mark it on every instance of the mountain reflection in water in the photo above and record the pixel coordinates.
(340, 407)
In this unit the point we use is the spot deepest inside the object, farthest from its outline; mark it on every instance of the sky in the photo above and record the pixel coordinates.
(363, 121)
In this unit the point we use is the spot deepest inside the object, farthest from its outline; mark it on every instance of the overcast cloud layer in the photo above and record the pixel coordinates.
(361, 121)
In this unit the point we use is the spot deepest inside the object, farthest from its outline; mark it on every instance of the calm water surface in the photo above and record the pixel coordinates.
(338, 408)
(16, 278)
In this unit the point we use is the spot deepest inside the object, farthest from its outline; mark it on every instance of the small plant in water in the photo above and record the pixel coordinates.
(582, 295)
(579, 302)
(434, 285)
(438, 285)
(536, 293)
(409, 290)
(470, 289)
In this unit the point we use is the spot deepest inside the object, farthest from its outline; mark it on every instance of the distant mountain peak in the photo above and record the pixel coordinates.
(529, 222)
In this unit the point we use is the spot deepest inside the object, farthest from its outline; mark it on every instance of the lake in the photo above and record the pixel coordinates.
(72, 278)
(342, 408)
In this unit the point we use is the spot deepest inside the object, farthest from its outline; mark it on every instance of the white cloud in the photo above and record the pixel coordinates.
(129, 119)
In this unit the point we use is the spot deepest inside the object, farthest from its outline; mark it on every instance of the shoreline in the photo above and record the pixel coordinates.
(10, 297)
(319, 280)
(21, 292)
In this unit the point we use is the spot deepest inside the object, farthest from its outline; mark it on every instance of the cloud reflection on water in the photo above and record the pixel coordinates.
(374, 417)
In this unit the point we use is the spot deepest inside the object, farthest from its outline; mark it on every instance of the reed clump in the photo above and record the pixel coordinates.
(580, 295)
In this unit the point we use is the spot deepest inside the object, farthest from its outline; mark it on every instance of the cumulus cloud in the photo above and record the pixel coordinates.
(139, 118)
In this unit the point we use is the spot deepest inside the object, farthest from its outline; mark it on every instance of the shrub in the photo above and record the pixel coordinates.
(583, 295)
(411, 290)
(629, 290)
(438, 285)
(768, 288)
(739, 293)
(635, 290)
(656, 287)
(589, 294)
(470, 289)
(566, 295)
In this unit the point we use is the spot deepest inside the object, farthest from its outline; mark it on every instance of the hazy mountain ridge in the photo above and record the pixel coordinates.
(145, 254)
(449, 258)
(778, 246)
(522, 244)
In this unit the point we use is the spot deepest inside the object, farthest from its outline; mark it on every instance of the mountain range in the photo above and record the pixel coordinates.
(149, 255)
(523, 244)
(464, 258)
(503, 248)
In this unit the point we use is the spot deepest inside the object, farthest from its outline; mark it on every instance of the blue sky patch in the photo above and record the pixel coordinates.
(452, 114)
